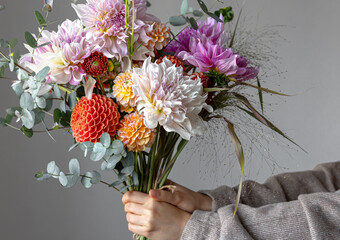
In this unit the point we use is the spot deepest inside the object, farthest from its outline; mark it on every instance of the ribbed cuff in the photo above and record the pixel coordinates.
(220, 196)
(202, 225)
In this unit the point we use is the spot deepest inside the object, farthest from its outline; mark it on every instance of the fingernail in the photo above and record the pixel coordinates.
(153, 193)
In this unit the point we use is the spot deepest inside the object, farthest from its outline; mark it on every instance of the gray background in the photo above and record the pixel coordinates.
(309, 61)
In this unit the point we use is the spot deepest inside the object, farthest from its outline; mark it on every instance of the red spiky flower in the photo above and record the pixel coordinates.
(175, 60)
(206, 82)
(95, 64)
(92, 117)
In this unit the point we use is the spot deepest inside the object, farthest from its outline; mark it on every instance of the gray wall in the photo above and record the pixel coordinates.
(309, 60)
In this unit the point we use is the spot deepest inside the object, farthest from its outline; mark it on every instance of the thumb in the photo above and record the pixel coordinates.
(162, 196)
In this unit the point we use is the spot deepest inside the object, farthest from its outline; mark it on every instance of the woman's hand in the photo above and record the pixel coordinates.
(183, 198)
(154, 219)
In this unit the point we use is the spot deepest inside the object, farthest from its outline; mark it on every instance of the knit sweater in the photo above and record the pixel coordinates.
(300, 205)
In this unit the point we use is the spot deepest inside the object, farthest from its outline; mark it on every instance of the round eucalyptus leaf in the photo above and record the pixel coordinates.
(197, 13)
(26, 101)
(115, 183)
(63, 179)
(51, 166)
(86, 180)
(128, 170)
(28, 118)
(98, 147)
(18, 88)
(117, 146)
(96, 156)
(31, 83)
(103, 167)
(105, 139)
(108, 153)
(130, 159)
(112, 162)
(135, 179)
(74, 167)
(71, 180)
(56, 91)
(72, 100)
(96, 177)
(42, 176)
(41, 102)
(177, 20)
(123, 189)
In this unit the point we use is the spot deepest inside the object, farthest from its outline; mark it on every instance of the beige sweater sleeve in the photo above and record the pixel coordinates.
(302, 205)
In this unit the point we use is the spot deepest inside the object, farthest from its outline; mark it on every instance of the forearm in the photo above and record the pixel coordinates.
(280, 188)
(312, 216)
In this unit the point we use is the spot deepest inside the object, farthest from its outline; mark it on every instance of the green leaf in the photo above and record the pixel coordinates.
(49, 101)
(28, 132)
(53, 169)
(73, 146)
(206, 11)
(227, 13)
(63, 179)
(2, 72)
(72, 100)
(63, 105)
(16, 55)
(74, 167)
(4, 43)
(39, 18)
(86, 180)
(41, 102)
(96, 177)
(193, 23)
(197, 13)
(41, 75)
(9, 118)
(13, 43)
(26, 101)
(184, 7)
(31, 41)
(2, 122)
(18, 88)
(98, 152)
(177, 20)
(118, 147)
(27, 118)
(11, 64)
(105, 139)
(42, 176)
(112, 162)
(56, 91)
(260, 92)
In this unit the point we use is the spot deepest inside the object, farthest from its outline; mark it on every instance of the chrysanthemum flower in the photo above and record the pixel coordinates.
(134, 134)
(210, 30)
(159, 36)
(95, 64)
(105, 20)
(211, 57)
(92, 117)
(67, 50)
(122, 91)
(166, 97)
(207, 56)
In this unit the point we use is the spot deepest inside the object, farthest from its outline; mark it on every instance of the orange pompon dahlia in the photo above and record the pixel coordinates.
(134, 134)
(122, 91)
(92, 117)
(159, 36)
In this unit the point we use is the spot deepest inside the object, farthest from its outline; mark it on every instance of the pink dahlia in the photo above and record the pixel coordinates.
(67, 50)
(105, 21)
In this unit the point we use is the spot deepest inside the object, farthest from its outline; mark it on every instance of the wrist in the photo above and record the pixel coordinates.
(204, 202)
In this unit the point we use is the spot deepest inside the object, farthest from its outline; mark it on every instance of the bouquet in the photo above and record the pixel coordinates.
(130, 91)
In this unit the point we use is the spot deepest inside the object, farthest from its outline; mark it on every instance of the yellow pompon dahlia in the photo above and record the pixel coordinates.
(122, 91)
(160, 35)
(134, 134)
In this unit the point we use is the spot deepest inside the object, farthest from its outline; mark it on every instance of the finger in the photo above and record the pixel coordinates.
(135, 196)
(134, 208)
(137, 229)
(136, 219)
(165, 196)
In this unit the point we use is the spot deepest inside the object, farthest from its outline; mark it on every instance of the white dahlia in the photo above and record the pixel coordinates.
(166, 97)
